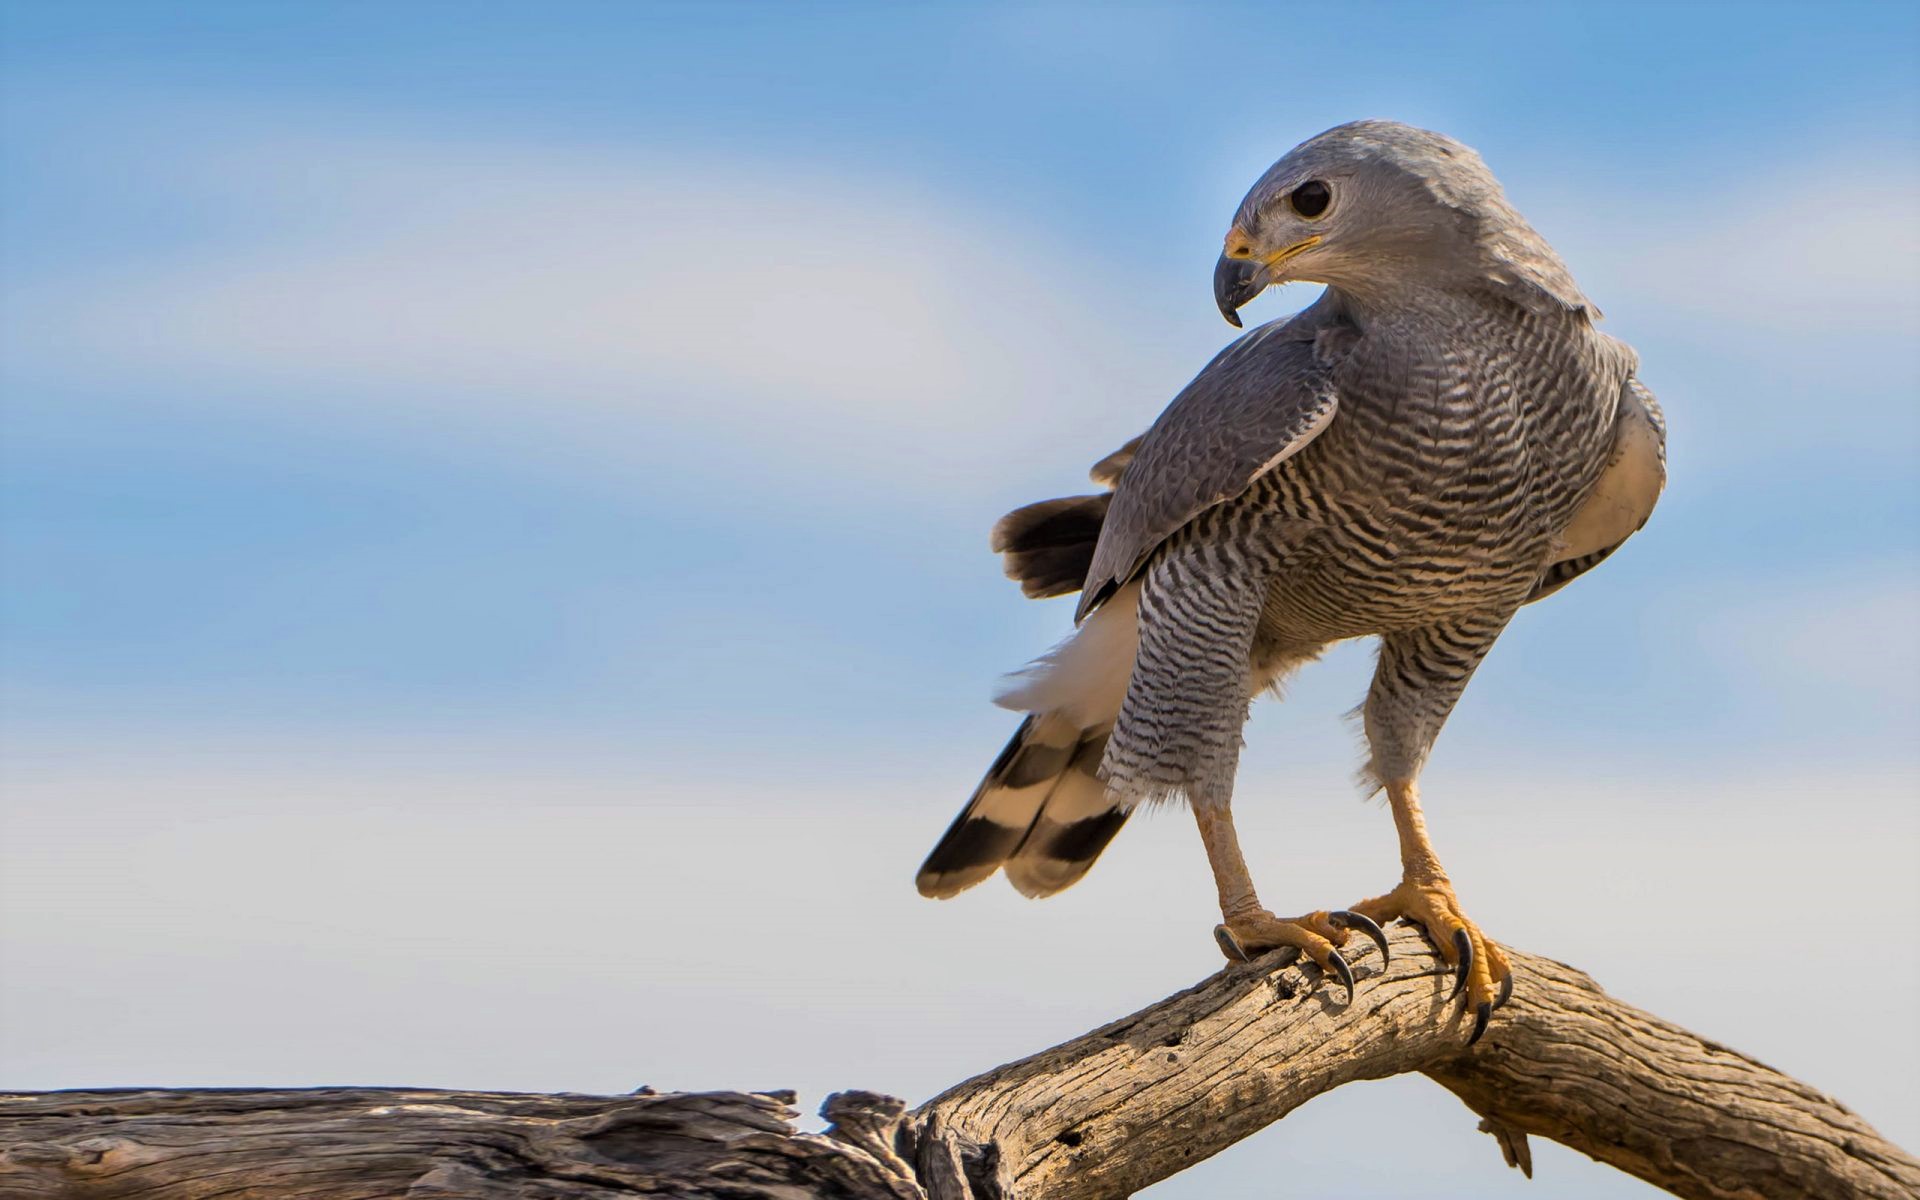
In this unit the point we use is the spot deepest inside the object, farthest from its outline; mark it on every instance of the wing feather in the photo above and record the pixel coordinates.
(1257, 404)
(1622, 500)
(1107, 471)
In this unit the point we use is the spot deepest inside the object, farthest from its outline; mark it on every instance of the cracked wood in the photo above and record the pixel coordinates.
(1101, 1116)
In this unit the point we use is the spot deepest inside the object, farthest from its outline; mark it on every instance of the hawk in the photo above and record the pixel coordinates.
(1441, 438)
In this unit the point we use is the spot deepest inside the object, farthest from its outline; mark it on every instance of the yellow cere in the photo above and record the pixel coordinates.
(1280, 256)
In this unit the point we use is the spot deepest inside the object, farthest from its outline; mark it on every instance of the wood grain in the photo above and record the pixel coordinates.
(1103, 1115)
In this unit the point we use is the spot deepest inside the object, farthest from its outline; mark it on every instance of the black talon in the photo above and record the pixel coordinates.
(1224, 937)
(1345, 972)
(1481, 1013)
(1366, 925)
(1463, 948)
(1506, 992)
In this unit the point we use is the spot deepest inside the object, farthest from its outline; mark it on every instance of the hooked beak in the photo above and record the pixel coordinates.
(1236, 281)
(1239, 276)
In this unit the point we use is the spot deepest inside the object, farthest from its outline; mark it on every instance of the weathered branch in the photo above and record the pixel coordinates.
(1147, 1096)
(1103, 1115)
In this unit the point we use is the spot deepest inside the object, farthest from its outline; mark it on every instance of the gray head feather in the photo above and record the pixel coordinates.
(1408, 206)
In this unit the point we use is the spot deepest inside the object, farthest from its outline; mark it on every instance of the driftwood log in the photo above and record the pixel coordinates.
(1103, 1115)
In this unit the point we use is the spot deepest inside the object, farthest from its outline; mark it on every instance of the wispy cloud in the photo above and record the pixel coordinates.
(1853, 633)
(839, 317)
(1828, 248)
(880, 326)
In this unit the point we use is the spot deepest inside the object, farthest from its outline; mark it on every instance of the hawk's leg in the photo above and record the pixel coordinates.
(1249, 929)
(1425, 895)
(1419, 678)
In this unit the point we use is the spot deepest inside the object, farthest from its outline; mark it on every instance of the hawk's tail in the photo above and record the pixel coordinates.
(1042, 813)
(1048, 547)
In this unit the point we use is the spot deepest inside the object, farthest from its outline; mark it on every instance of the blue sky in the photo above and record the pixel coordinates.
(596, 410)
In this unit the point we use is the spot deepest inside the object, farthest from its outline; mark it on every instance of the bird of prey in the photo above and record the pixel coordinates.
(1441, 438)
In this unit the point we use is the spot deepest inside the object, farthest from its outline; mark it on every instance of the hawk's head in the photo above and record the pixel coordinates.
(1374, 207)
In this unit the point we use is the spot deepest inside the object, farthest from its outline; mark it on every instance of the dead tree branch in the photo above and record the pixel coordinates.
(1101, 1116)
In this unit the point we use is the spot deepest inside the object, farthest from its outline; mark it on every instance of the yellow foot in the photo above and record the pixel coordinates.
(1480, 966)
(1248, 935)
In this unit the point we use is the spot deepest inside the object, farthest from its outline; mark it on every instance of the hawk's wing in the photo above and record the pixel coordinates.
(1048, 546)
(1622, 500)
(1107, 471)
(1254, 406)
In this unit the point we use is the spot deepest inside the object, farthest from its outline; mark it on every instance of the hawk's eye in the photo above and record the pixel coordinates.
(1310, 199)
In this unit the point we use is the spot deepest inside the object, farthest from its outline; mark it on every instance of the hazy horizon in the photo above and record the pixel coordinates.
(494, 503)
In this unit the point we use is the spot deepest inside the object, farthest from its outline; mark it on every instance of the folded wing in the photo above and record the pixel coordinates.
(1622, 500)
(1257, 404)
